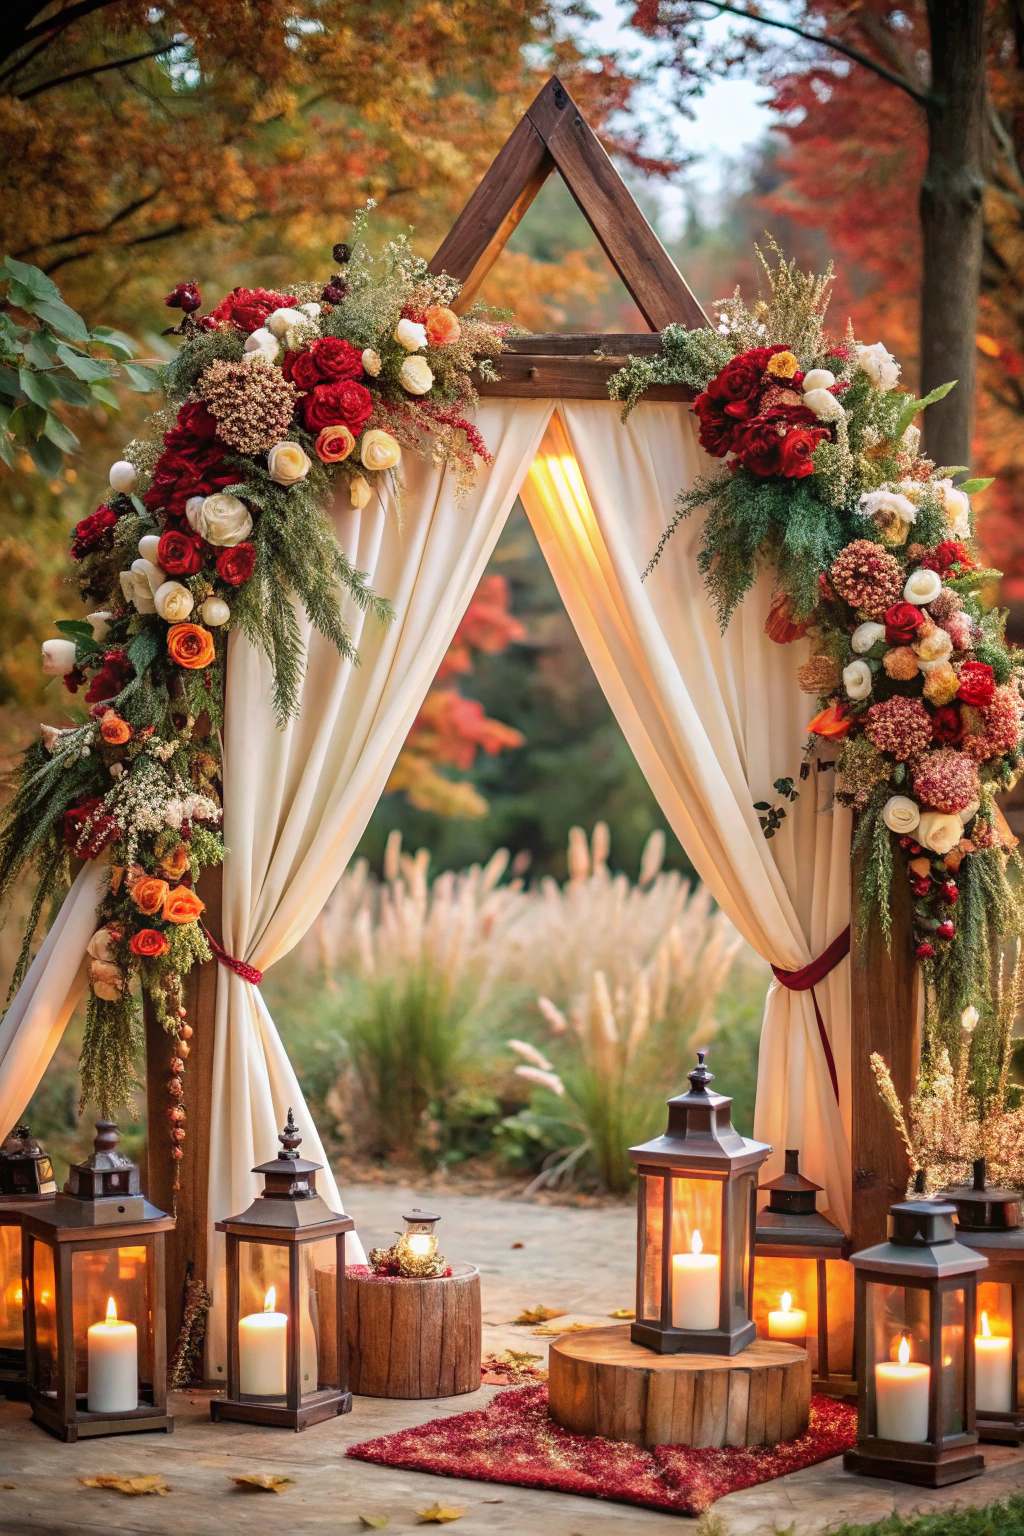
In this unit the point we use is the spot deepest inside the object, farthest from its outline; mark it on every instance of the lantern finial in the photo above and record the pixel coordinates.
(700, 1076)
(289, 1138)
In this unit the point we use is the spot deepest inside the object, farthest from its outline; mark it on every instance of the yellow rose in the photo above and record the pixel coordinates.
(416, 376)
(379, 450)
(287, 463)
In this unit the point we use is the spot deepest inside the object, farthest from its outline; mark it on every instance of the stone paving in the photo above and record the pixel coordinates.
(579, 1259)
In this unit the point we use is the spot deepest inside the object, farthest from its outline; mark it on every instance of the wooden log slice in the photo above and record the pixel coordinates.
(414, 1338)
(601, 1383)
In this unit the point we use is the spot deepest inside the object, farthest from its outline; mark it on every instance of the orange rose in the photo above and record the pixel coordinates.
(149, 894)
(174, 864)
(832, 722)
(115, 730)
(148, 943)
(182, 905)
(442, 326)
(334, 444)
(190, 645)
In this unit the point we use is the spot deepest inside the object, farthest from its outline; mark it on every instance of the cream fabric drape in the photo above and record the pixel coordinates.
(297, 801)
(713, 720)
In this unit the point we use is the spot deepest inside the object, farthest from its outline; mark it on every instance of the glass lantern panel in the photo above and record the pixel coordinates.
(44, 1288)
(898, 1339)
(11, 1323)
(951, 1393)
(112, 1319)
(777, 1279)
(651, 1244)
(742, 1190)
(993, 1348)
(318, 1302)
(264, 1308)
(696, 1252)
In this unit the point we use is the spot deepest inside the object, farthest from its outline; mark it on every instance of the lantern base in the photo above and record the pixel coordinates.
(1000, 1428)
(84, 1425)
(925, 1465)
(324, 1405)
(693, 1341)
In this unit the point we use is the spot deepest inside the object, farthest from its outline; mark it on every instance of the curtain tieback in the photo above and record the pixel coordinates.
(247, 972)
(807, 978)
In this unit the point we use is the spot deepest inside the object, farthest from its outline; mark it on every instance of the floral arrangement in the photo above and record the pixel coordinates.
(219, 519)
(920, 702)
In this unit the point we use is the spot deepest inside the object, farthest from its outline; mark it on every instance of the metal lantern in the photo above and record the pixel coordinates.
(799, 1254)
(695, 1227)
(95, 1313)
(989, 1221)
(285, 1293)
(26, 1178)
(915, 1312)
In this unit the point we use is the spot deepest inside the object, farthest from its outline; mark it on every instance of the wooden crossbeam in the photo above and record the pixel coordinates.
(572, 367)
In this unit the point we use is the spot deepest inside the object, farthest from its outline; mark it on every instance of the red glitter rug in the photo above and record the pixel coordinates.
(512, 1440)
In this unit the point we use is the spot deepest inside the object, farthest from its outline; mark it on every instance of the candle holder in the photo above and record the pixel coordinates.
(285, 1299)
(695, 1227)
(95, 1310)
(800, 1253)
(26, 1178)
(915, 1310)
(989, 1221)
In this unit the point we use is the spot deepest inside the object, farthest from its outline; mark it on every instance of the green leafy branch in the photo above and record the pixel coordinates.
(771, 816)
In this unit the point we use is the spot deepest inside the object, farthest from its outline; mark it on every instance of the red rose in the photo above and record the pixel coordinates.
(235, 565)
(301, 369)
(192, 463)
(798, 448)
(185, 296)
(977, 684)
(247, 309)
(337, 359)
(87, 829)
(902, 622)
(115, 672)
(950, 555)
(93, 532)
(947, 725)
(345, 402)
(739, 384)
(179, 555)
(717, 431)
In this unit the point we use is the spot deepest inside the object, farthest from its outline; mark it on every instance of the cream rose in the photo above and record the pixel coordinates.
(857, 680)
(359, 490)
(957, 507)
(261, 344)
(123, 477)
(288, 463)
(58, 657)
(221, 519)
(867, 635)
(923, 587)
(415, 376)
(101, 945)
(410, 335)
(938, 832)
(888, 505)
(378, 449)
(149, 547)
(107, 980)
(824, 405)
(174, 602)
(99, 623)
(818, 378)
(371, 362)
(283, 319)
(146, 572)
(901, 814)
(879, 364)
(933, 650)
(215, 612)
(127, 580)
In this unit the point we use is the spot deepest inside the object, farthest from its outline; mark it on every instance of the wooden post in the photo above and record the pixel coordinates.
(884, 1018)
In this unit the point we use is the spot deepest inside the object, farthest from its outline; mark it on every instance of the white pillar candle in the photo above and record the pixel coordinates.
(695, 1285)
(993, 1370)
(901, 1398)
(788, 1322)
(113, 1365)
(263, 1351)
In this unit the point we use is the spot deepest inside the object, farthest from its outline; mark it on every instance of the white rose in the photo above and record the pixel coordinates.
(923, 587)
(142, 596)
(379, 450)
(174, 602)
(970, 811)
(415, 376)
(887, 504)
(101, 945)
(857, 680)
(957, 507)
(824, 405)
(262, 344)
(288, 463)
(58, 657)
(107, 980)
(879, 364)
(360, 492)
(312, 309)
(282, 319)
(99, 622)
(867, 635)
(371, 362)
(215, 612)
(410, 335)
(146, 572)
(127, 580)
(193, 507)
(149, 547)
(221, 520)
(938, 832)
(901, 814)
(818, 378)
(123, 477)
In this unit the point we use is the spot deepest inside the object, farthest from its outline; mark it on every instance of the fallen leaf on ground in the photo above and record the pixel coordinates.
(552, 1332)
(514, 1245)
(538, 1314)
(148, 1482)
(511, 1368)
(626, 1313)
(375, 1522)
(266, 1482)
(8, 1485)
(439, 1514)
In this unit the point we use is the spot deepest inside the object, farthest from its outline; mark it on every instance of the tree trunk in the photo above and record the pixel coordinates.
(952, 223)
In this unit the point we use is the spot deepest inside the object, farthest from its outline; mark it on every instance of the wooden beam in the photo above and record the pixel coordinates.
(572, 367)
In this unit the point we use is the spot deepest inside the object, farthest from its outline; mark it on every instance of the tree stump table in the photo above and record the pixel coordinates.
(413, 1338)
(601, 1383)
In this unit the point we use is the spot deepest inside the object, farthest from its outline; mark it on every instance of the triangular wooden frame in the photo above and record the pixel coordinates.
(554, 135)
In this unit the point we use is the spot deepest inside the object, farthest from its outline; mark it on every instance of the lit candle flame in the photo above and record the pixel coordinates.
(696, 1245)
(111, 1310)
(986, 1331)
(786, 1301)
(419, 1243)
(270, 1304)
(903, 1353)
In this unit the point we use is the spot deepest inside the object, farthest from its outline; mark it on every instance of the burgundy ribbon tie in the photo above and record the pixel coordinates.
(807, 978)
(247, 972)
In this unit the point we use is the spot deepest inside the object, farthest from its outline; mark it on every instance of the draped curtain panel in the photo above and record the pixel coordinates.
(713, 719)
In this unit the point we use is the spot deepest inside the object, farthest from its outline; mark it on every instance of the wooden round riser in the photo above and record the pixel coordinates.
(414, 1338)
(601, 1383)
